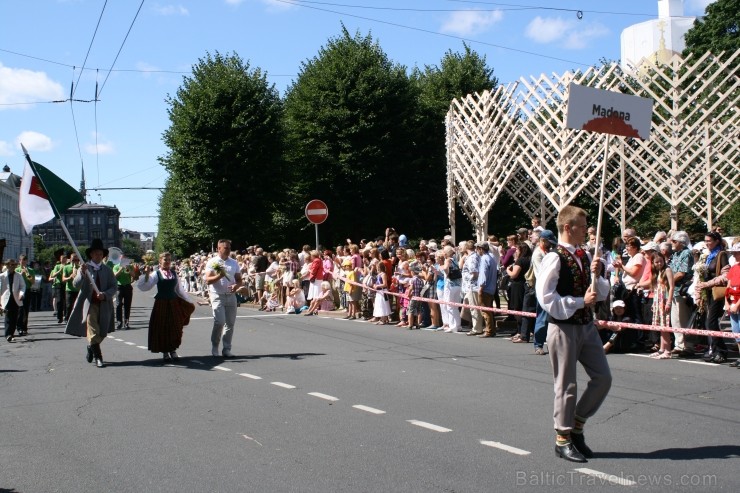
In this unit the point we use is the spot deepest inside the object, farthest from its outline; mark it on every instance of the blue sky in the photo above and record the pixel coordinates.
(44, 43)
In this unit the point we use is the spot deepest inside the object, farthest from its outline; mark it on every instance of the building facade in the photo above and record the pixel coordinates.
(84, 222)
(13, 239)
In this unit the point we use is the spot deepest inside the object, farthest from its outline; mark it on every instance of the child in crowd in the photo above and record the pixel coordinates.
(296, 299)
(324, 300)
(415, 285)
(614, 337)
(270, 297)
(352, 291)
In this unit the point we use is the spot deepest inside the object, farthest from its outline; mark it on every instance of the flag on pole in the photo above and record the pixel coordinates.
(43, 196)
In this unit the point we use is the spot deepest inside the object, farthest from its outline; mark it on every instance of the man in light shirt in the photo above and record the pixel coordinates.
(223, 277)
(565, 291)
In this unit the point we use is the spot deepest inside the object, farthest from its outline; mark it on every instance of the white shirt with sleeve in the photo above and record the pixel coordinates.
(562, 307)
(221, 286)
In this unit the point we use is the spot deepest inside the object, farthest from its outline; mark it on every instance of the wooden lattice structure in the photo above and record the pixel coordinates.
(514, 141)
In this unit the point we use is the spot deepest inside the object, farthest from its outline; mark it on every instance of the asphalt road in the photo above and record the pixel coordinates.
(314, 404)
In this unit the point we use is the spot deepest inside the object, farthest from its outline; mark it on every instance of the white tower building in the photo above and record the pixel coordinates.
(657, 39)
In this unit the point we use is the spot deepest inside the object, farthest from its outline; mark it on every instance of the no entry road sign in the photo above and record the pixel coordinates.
(316, 211)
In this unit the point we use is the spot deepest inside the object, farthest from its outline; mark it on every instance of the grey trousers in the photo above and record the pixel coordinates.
(570, 344)
(224, 317)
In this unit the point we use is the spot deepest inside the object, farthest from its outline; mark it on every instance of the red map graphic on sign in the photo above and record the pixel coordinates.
(36, 189)
(611, 125)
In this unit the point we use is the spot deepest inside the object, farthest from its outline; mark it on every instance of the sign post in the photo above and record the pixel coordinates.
(611, 113)
(316, 213)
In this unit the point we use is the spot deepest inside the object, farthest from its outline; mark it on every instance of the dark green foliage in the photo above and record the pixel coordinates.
(717, 31)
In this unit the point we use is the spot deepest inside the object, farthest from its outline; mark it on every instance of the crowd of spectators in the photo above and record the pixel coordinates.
(665, 281)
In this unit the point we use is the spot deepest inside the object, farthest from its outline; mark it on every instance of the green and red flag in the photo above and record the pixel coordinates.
(43, 195)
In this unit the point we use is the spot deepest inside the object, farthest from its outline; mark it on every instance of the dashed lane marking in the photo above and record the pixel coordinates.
(610, 478)
(142, 347)
(368, 409)
(324, 396)
(504, 447)
(428, 426)
(119, 340)
(283, 385)
(222, 368)
(130, 343)
(197, 362)
(248, 375)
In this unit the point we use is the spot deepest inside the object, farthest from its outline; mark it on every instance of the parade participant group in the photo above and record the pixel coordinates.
(567, 281)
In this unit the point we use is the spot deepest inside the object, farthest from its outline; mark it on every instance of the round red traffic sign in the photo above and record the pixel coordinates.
(317, 212)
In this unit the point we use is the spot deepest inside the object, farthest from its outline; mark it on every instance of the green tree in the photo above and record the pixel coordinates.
(132, 249)
(717, 31)
(177, 232)
(457, 75)
(225, 148)
(349, 118)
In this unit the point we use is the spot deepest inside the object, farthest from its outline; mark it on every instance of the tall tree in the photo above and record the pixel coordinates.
(717, 31)
(457, 75)
(349, 117)
(225, 148)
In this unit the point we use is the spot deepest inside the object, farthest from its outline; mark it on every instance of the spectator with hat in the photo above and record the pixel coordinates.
(732, 295)
(681, 264)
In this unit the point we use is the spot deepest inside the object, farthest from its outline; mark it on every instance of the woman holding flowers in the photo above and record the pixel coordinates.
(171, 311)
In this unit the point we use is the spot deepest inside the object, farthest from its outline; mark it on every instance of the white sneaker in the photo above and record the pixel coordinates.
(214, 351)
(227, 353)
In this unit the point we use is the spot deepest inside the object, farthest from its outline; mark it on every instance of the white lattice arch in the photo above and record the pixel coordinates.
(514, 140)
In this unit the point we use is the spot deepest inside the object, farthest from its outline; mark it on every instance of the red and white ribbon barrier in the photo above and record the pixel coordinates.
(600, 323)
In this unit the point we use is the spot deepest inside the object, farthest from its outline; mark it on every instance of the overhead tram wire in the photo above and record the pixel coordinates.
(121, 48)
(461, 38)
(539, 7)
(90, 47)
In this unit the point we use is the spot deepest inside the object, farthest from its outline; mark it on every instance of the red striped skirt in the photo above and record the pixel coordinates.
(166, 323)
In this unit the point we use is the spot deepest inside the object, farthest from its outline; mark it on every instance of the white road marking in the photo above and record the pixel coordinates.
(222, 368)
(700, 363)
(111, 337)
(610, 478)
(130, 343)
(248, 375)
(142, 347)
(119, 340)
(428, 426)
(368, 409)
(197, 362)
(507, 448)
(283, 385)
(324, 396)
(252, 439)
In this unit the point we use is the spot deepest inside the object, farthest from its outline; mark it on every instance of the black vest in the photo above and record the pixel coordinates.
(573, 281)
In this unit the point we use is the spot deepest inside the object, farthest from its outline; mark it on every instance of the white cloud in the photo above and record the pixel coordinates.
(171, 9)
(571, 34)
(546, 30)
(146, 68)
(468, 22)
(6, 149)
(34, 141)
(103, 146)
(580, 38)
(18, 85)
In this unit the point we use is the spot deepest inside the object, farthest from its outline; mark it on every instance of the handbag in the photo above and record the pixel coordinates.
(718, 292)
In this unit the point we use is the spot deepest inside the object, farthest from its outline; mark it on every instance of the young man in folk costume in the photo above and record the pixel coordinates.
(564, 291)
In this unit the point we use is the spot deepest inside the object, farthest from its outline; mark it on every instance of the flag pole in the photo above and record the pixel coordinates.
(599, 223)
(58, 216)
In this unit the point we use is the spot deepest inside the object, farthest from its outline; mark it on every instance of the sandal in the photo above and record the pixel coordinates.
(381, 323)
(656, 354)
(665, 355)
(516, 338)
(520, 341)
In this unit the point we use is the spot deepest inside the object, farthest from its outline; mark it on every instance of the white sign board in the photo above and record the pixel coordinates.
(597, 110)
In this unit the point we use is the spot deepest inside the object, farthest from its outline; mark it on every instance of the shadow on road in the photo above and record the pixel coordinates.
(708, 452)
(208, 362)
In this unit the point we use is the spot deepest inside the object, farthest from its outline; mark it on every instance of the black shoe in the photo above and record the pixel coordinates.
(9, 338)
(719, 358)
(569, 453)
(89, 356)
(579, 441)
(166, 357)
(99, 363)
(98, 355)
(119, 326)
